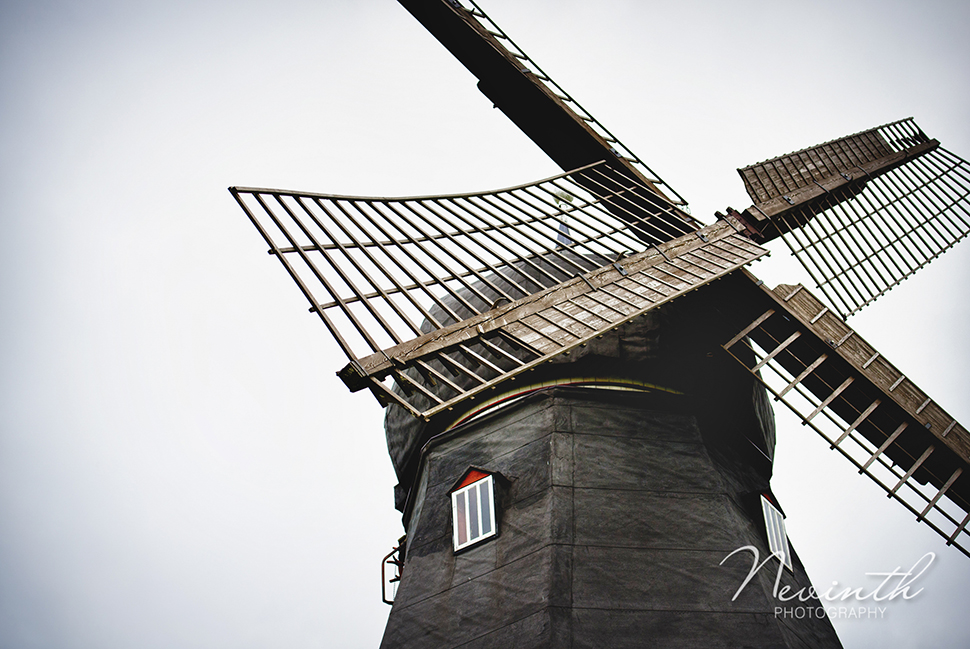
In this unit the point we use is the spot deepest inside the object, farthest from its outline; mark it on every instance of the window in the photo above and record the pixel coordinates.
(777, 538)
(473, 509)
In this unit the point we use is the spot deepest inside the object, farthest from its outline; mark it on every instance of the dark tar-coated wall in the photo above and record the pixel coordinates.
(613, 518)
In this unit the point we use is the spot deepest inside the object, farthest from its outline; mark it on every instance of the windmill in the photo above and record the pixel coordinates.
(628, 230)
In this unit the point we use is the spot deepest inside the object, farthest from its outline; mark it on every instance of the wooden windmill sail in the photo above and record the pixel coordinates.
(445, 304)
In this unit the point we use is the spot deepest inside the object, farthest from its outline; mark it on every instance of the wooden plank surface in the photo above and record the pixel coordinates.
(650, 268)
(875, 368)
(562, 318)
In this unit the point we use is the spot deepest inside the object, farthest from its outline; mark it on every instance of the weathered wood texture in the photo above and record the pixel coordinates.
(789, 190)
(848, 344)
(552, 322)
(864, 212)
(785, 174)
(379, 271)
(839, 385)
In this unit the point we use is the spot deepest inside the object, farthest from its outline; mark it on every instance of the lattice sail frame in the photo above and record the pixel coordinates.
(862, 405)
(864, 212)
(441, 317)
(530, 67)
(451, 295)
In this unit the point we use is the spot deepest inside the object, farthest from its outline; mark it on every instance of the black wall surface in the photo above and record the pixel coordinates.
(613, 519)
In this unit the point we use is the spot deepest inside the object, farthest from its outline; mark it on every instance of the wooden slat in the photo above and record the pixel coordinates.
(751, 327)
(855, 424)
(939, 494)
(777, 350)
(801, 377)
(829, 399)
(882, 448)
(916, 465)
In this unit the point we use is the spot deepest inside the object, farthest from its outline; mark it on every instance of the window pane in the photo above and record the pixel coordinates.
(775, 526)
(460, 518)
(473, 510)
(485, 493)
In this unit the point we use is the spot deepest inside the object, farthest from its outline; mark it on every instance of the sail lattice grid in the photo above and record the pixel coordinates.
(448, 296)
(867, 210)
(382, 271)
(859, 249)
(529, 66)
(862, 405)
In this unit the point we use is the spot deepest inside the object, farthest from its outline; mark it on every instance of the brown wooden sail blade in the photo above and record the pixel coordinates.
(864, 212)
(545, 112)
(436, 372)
(845, 390)
(382, 271)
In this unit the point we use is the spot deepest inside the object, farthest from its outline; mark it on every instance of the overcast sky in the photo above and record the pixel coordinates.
(179, 466)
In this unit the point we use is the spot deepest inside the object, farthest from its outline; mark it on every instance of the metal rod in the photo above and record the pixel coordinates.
(331, 327)
(415, 328)
(406, 290)
(375, 346)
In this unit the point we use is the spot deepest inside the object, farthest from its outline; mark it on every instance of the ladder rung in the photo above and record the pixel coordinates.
(912, 469)
(777, 350)
(885, 445)
(856, 423)
(939, 494)
(959, 529)
(801, 377)
(744, 332)
(830, 398)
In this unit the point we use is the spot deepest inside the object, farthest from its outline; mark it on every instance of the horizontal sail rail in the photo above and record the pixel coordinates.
(380, 271)
(785, 175)
(469, 360)
(864, 212)
(844, 390)
(859, 249)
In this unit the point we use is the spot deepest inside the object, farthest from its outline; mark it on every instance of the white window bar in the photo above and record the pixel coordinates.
(777, 538)
(473, 513)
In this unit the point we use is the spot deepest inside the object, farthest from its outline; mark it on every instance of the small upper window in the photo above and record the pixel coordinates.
(777, 538)
(473, 509)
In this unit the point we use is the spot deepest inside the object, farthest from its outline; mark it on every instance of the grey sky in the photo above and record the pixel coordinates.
(178, 464)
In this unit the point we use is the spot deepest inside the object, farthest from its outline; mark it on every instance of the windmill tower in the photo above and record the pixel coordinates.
(594, 308)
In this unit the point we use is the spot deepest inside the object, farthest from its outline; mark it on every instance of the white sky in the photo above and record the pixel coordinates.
(179, 466)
